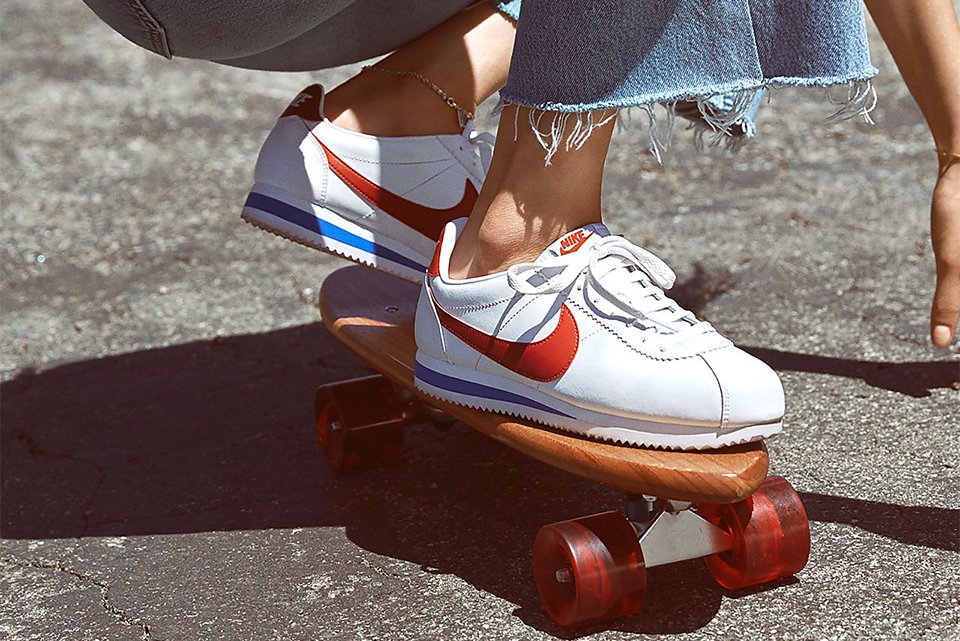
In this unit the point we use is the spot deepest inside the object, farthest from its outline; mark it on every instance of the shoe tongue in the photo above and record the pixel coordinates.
(578, 240)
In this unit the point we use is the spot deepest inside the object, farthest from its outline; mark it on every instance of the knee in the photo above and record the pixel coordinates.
(132, 20)
(212, 29)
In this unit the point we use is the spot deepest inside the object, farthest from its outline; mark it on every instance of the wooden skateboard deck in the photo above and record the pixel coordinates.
(372, 314)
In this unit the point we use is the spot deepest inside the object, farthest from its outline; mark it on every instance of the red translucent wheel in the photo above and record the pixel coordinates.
(359, 423)
(589, 569)
(770, 532)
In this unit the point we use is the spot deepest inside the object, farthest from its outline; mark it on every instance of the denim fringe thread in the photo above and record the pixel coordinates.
(717, 119)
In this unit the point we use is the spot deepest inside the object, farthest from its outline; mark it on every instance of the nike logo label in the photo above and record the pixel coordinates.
(306, 105)
(572, 242)
(429, 221)
(544, 360)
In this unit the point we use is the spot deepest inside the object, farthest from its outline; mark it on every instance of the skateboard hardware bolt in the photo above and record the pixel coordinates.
(675, 507)
(564, 575)
(392, 309)
(641, 508)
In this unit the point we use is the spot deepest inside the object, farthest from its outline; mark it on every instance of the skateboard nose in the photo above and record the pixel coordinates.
(751, 391)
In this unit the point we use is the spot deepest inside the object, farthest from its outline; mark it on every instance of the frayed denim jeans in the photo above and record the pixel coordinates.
(587, 55)
(710, 60)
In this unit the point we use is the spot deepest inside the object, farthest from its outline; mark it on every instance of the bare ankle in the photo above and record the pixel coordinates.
(499, 237)
(487, 253)
(389, 105)
(525, 205)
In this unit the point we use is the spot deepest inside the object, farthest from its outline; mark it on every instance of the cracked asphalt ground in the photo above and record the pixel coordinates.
(160, 478)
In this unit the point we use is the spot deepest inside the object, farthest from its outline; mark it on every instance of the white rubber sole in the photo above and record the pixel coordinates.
(480, 390)
(281, 213)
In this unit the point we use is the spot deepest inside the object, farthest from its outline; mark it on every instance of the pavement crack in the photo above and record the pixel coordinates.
(120, 614)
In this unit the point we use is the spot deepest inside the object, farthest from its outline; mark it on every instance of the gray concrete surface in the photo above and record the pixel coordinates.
(160, 479)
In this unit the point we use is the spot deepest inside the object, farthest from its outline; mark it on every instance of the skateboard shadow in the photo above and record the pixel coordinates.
(217, 436)
(940, 527)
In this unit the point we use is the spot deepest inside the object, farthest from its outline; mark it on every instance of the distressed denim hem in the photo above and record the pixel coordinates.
(510, 8)
(860, 100)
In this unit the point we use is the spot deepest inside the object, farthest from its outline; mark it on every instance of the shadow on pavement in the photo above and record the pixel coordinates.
(217, 435)
(915, 379)
(931, 527)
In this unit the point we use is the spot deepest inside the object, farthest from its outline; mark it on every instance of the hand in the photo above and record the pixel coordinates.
(945, 234)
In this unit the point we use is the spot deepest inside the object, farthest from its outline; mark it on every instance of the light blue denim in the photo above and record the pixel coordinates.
(577, 62)
(584, 55)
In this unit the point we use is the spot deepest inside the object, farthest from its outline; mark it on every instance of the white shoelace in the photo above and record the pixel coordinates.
(482, 142)
(629, 276)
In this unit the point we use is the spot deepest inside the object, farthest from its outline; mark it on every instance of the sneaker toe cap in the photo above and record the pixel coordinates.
(751, 391)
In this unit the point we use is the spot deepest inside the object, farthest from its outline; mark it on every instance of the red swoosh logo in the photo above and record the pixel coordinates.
(429, 221)
(572, 243)
(544, 360)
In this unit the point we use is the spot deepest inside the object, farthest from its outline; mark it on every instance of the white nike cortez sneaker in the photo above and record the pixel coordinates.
(584, 339)
(380, 201)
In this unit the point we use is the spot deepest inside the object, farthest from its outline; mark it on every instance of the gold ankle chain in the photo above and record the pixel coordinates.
(463, 115)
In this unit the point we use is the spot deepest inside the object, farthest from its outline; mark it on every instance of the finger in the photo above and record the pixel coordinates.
(945, 237)
(945, 312)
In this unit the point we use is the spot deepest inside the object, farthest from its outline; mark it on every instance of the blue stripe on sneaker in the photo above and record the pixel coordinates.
(470, 388)
(310, 222)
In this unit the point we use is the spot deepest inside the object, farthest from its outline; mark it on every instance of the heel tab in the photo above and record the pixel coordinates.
(308, 104)
(434, 269)
(439, 266)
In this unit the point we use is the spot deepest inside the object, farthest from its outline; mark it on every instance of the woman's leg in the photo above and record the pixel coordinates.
(373, 169)
(525, 205)
(466, 53)
(468, 57)
(687, 50)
